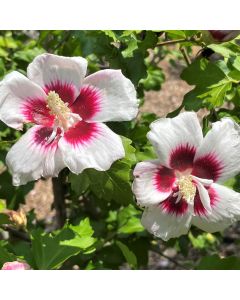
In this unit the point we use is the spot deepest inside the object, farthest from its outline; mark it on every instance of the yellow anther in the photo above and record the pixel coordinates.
(187, 188)
(64, 118)
(56, 105)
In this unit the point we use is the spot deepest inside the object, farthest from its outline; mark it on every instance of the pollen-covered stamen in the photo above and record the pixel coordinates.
(56, 105)
(187, 188)
(64, 118)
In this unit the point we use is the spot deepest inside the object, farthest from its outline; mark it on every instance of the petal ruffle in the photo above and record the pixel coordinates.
(225, 204)
(153, 183)
(176, 140)
(32, 157)
(219, 153)
(22, 101)
(64, 75)
(107, 95)
(165, 225)
(90, 145)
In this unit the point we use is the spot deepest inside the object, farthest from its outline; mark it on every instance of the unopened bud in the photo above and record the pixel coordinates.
(219, 36)
(210, 238)
(16, 265)
(18, 218)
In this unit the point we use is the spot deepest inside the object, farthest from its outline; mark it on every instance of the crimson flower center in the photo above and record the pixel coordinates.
(64, 118)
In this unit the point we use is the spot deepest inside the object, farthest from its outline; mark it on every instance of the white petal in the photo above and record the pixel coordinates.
(16, 90)
(225, 210)
(203, 181)
(49, 70)
(219, 154)
(31, 157)
(164, 225)
(176, 139)
(118, 101)
(90, 145)
(153, 183)
(204, 197)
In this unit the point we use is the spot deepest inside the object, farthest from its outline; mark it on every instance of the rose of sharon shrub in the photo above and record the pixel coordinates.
(182, 187)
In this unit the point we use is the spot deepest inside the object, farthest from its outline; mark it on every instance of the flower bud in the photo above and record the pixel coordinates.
(16, 265)
(219, 36)
(18, 218)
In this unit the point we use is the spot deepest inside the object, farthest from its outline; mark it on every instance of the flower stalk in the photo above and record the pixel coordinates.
(59, 192)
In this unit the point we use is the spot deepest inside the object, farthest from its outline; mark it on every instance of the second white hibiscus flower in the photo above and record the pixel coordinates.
(182, 187)
(68, 111)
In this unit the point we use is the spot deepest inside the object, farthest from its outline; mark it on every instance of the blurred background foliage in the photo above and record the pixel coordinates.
(102, 228)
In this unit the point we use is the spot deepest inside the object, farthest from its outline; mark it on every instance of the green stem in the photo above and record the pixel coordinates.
(16, 233)
(156, 250)
(185, 55)
(172, 42)
(59, 191)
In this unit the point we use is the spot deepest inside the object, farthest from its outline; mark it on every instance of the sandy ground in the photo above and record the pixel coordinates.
(171, 94)
(40, 199)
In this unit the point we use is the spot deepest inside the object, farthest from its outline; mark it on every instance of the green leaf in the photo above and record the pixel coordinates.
(5, 255)
(176, 34)
(135, 45)
(201, 241)
(2, 205)
(134, 67)
(129, 220)
(202, 72)
(4, 219)
(23, 251)
(216, 93)
(214, 262)
(2, 67)
(132, 46)
(154, 80)
(3, 53)
(233, 183)
(146, 153)
(79, 183)
(128, 254)
(149, 42)
(190, 33)
(211, 85)
(7, 41)
(226, 49)
(5, 144)
(180, 34)
(233, 65)
(130, 156)
(13, 195)
(50, 251)
(28, 55)
(90, 266)
(127, 33)
(83, 239)
(112, 184)
(235, 62)
(111, 34)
